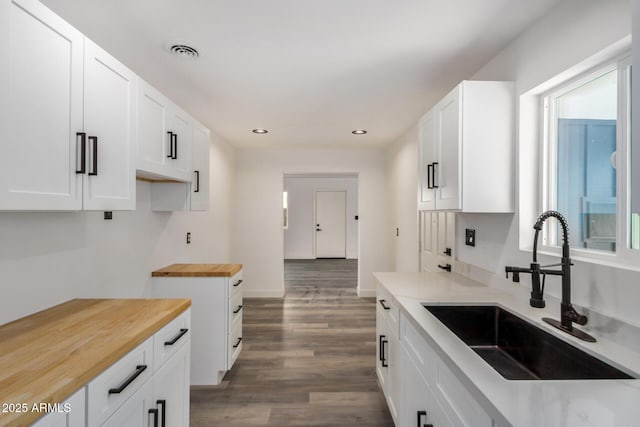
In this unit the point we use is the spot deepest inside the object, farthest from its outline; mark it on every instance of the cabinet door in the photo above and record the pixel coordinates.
(40, 108)
(181, 125)
(154, 141)
(418, 408)
(426, 158)
(394, 377)
(200, 179)
(171, 388)
(72, 414)
(109, 121)
(135, 412)
(448, 140)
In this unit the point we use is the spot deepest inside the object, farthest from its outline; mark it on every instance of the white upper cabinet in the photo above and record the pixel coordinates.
(200, 159)
(109, 122)
(467, 150)
(165, 137)
(40, 108)
(67, 115)
(426, 158)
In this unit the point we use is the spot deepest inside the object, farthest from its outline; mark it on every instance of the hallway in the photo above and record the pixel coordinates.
(307, 359)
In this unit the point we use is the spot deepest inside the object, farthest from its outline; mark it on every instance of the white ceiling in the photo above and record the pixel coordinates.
(309, 71)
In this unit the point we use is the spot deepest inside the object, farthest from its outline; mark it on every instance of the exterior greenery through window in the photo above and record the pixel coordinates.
(586, 168)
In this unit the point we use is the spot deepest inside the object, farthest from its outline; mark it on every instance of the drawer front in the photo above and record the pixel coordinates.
(418, 349)
(109, 390)
(390, 310)
(234, 346)
(458, 404)
(168, 340)
(236, 309)
(236, 284)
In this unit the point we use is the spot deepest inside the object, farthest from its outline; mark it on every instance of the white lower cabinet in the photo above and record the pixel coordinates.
(217, 307)
(389, 364)
(149, 386)
(419, 387)
(70, 413)
(171, 389)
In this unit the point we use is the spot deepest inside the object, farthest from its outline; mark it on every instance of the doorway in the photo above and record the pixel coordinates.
(320, 231)
(331, 221)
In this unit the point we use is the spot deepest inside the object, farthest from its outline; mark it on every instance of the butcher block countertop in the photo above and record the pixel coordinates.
(198, 270)
(47, 356)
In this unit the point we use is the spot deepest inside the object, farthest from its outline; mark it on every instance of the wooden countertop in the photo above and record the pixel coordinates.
(198, 270)
(47, 356)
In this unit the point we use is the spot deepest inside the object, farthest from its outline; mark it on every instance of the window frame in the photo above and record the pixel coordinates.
(623, 254)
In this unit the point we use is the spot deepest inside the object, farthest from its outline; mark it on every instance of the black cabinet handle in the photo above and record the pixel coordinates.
(237, 310)
(154, 414)
(170, 156)
(83, 151)
(382, 348)
(433, 171)
(385, 306)
(447, 251)
(197, 190)
(94, 140)
(420, 415)
(235, 285)
(163, 413)
(177, 337)
(380, 338)
(446, 267)
(238, 343)
(139, 370)
(174, 139)
(429, 172)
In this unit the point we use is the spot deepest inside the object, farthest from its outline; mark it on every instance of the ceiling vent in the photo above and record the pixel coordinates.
(184, 51)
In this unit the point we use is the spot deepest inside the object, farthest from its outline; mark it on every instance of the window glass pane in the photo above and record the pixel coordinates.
(585, 158)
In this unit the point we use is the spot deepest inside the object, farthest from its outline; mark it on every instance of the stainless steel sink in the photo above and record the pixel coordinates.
(517, 349)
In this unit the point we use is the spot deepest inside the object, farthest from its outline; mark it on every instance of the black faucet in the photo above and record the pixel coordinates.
(568, 315)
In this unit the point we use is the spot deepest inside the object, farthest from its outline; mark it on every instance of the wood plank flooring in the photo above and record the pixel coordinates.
(308, 359)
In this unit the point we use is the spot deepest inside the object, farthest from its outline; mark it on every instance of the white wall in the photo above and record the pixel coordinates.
(572, 32)
(402, 164)
(299, 237)
(47, 258)
(257, 231)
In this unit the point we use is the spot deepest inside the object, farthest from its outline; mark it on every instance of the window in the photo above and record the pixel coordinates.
(586, 173)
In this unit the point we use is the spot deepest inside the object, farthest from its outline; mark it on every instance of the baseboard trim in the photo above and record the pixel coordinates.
(366, 293)
(263, 293)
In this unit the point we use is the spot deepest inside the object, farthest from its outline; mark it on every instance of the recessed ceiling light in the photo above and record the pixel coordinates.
(359, 132)
(260, 130)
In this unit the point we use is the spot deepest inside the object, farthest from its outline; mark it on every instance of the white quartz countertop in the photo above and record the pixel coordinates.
(514, 402)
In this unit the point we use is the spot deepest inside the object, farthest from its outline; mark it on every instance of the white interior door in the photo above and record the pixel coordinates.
(331, 224)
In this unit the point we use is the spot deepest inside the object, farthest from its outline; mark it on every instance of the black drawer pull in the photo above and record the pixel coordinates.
(380, 338)
(434, 174)
(177, 337)
(235, 285)
(420, 415)
(154, 413)
(197, 190)
(385, 306)
(237, 310)
(139, 370)
(429, 172)
(446, 267)
(238, 343)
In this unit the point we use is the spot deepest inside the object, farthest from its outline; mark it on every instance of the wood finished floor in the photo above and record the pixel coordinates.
(307, 359)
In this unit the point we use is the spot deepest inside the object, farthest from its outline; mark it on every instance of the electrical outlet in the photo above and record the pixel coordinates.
(470, 237)
(188, 238)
